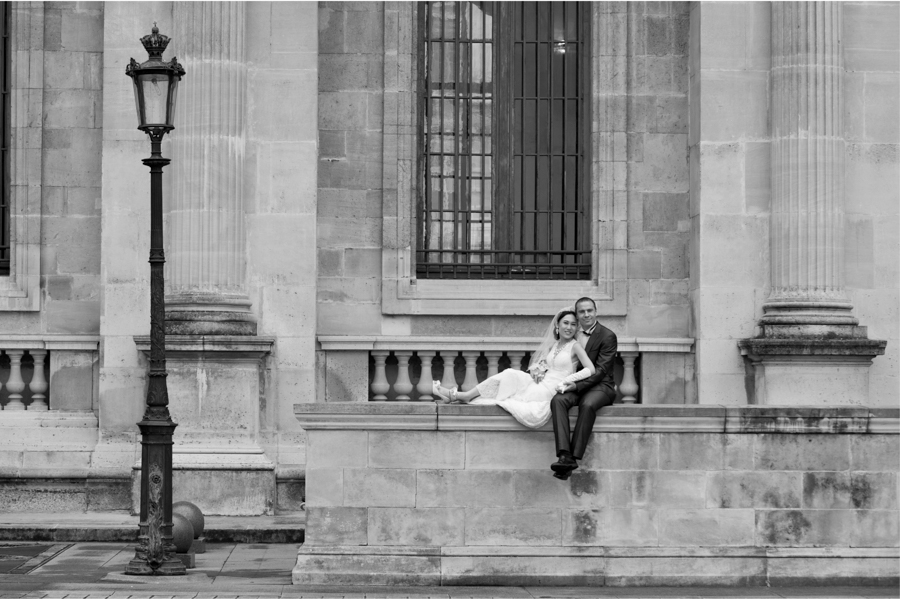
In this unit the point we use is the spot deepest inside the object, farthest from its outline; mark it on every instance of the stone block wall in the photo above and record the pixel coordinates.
(729, 188)
(872, 196)
(657, 169)
(689, 495)
(349, 206)
(56, 93)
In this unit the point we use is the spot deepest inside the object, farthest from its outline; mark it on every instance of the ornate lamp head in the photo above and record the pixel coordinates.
(155, 85)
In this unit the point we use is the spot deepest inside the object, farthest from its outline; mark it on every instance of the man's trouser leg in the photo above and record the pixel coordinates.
(559, 414)
(588, 404)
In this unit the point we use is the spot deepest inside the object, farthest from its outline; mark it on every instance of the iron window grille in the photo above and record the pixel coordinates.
(504, 140)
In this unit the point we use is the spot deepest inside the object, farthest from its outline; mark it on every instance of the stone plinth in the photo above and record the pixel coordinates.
(696, 495)
(814, 371)
(214, 393)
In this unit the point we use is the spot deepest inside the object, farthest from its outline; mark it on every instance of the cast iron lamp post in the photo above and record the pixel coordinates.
(155, 85)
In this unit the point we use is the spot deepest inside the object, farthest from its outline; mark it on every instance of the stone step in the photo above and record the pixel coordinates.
(122, 527)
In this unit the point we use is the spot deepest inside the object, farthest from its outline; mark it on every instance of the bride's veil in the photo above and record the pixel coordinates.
(548, 340)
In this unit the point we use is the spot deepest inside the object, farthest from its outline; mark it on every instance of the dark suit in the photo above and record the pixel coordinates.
(590, 394)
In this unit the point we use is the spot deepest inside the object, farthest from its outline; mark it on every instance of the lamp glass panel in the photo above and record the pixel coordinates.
(137, 101)
(173, 94)
(156, 93)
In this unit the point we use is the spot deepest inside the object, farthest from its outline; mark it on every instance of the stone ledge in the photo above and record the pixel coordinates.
(606, 551)
(618, 418)
(453, 343)
(609, 566)
(222, 348)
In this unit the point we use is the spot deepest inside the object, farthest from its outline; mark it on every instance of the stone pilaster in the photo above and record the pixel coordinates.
(811, 349)
(206, 277)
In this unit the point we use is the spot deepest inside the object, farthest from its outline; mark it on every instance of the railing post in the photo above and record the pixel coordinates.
(424, 385)
(380, 385)
(448, 380)
(493, 359)
(403, 386)
(15, 385)
(629, 386)
(515, 359)
(471, 379)
(38, 385)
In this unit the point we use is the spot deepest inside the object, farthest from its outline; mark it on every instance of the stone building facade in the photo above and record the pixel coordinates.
(744, 225)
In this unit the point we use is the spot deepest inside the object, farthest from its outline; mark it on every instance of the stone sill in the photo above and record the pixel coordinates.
(451, 343)
(605, 551)
(51, 342)
(618, 418)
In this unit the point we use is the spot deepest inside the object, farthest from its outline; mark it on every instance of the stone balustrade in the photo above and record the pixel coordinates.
(26, 372)
(30, 365)
(396, 361)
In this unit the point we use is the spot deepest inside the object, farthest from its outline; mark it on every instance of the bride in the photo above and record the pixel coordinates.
(527, 395)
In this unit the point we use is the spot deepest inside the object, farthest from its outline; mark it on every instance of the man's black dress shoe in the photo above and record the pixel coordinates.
(563, 468)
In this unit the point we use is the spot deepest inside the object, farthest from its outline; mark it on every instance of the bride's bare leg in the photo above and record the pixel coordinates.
(454, 395)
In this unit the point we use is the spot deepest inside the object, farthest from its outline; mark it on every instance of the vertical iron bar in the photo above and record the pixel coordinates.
(424, 126)
(457, 184)
(441, 131)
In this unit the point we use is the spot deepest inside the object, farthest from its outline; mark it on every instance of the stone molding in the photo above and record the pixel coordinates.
(608, 551)
(401, 292)
(21, 290)
(438, 343)
(52, 342)
(618, 418)
(222, 347)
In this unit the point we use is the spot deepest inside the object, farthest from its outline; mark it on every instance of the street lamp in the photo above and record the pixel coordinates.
(155, 86)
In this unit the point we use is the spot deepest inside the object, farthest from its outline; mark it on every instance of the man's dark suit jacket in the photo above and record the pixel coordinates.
(601, 348)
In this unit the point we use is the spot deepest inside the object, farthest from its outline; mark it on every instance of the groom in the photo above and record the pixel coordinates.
(589, 395)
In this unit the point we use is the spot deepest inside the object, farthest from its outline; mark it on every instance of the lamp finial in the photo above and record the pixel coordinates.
(155, 43)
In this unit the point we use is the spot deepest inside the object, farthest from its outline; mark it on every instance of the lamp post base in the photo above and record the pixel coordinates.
(172, 566)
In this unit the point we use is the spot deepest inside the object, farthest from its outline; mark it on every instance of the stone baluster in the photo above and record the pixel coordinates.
(448, 380)
(206, 240)
(403, 386)
(629, 386)
(515, 359)
(493, 360)
(471, 379)
(38, 385)
(424, 384)
(380, 385)
(15, 385)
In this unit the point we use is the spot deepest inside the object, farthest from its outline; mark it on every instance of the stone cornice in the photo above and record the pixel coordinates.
(222, 347)
(618, 418)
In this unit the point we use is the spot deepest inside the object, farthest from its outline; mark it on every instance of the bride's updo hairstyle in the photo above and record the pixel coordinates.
(559, 317)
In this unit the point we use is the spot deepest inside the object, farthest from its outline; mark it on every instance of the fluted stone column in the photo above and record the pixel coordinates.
(811, 350)
(807, 226)
(206, 255)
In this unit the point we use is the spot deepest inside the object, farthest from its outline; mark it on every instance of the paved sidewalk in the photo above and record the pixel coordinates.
(230, 571)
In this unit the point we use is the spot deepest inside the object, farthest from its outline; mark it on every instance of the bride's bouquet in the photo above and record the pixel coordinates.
(539, 370)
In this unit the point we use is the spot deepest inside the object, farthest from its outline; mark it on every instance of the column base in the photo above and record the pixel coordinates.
(209, 314)
(811, 371)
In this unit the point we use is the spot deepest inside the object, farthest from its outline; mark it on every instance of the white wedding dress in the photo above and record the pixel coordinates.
(517, 393)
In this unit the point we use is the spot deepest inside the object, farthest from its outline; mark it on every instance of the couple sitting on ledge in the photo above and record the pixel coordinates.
(553, 384)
